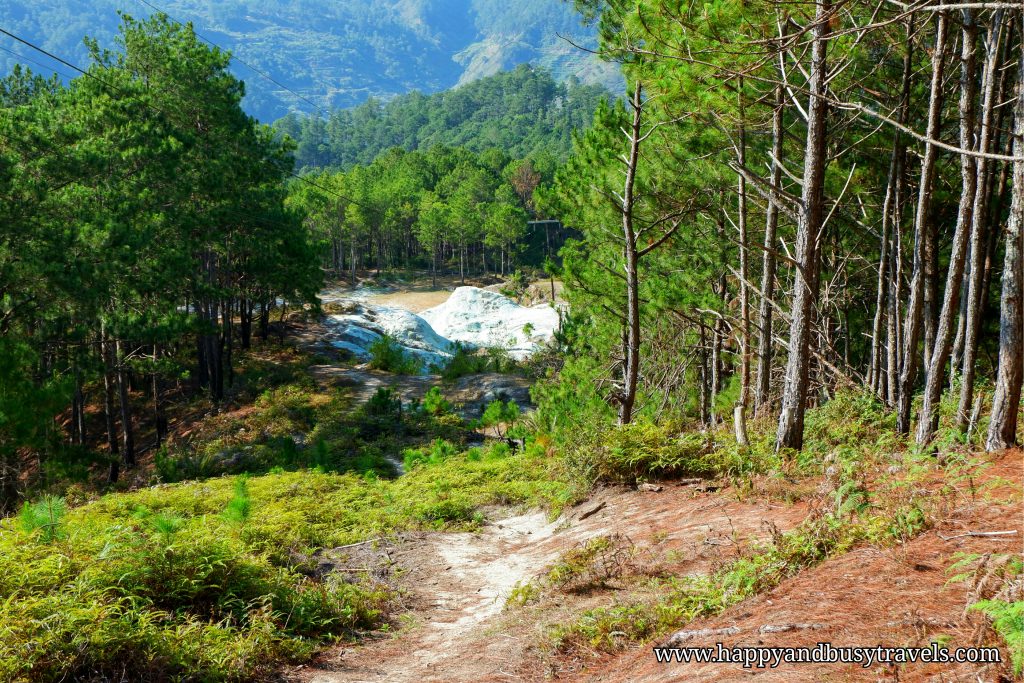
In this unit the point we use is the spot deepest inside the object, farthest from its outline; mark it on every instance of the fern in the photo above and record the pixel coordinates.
(1008, 621)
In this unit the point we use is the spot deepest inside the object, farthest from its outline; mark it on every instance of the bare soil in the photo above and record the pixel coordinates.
(457, 630)
(894, 597)
(457, 583)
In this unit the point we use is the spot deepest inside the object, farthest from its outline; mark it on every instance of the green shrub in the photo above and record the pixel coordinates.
(154, 585)
(640, 449)
(463, 361)
(515, 286)
(182, 465)
(434, 402)
(239, 507)
(45, 516)
(500, 415)
(438, 452)
(388, 355)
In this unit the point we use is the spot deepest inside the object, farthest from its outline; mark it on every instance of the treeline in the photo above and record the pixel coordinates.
(445, 209)
(797, 199)
(143, 236)
(523, 112)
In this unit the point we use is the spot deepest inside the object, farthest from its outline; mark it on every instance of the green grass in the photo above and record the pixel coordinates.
(297, 426)
(195, 581)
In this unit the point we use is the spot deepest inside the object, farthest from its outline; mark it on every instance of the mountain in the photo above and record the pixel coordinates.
(523, 112)
(333, 53)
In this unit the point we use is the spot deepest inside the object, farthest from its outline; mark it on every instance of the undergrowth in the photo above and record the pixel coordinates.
(298, 426)
(196, 581)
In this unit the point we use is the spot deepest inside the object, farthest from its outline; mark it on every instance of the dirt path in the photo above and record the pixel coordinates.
(457, 582)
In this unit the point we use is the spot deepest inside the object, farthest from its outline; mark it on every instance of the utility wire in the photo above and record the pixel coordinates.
(155, 108)
(33, 61)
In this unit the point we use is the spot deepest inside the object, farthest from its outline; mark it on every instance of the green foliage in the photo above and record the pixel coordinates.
(515, 286)
(434, 402)
(641, 450)
(168, 582)
(388, 355)
(45, 516)
(240, 505)
(169, 201)
(1008, 621)
(523, 112)
(466, 361)
(439, 451)
(500, 415)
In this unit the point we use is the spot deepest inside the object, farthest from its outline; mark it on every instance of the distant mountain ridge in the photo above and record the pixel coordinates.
(523, 112)
(335, 53)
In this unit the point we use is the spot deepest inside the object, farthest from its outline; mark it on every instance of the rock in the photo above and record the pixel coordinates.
(683, 636)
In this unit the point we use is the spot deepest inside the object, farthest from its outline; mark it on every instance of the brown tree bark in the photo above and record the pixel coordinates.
(935, 376)
(979, 224)
(762, 387)
(915, 307)
(630, 262)
(1002, 430)
(805, 288)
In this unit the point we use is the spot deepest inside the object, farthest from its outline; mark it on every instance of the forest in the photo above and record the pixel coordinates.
(523, 112)
(519, 380)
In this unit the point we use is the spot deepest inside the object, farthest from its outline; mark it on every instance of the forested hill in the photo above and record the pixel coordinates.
(333, 53)
(523, 112)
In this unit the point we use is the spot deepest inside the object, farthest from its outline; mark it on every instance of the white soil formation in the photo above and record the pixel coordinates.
(474, 317)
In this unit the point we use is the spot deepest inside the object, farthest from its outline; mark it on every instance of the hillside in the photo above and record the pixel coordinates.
(338, 53)
(523, 112)
(717, 377)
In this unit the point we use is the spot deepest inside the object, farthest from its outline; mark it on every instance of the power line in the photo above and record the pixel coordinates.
(154, 107)
(236, 58)
(37, 63)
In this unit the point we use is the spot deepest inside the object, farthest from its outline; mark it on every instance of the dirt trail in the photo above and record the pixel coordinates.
(458, 582)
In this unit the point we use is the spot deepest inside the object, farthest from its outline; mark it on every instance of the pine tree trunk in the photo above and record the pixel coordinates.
(762, 388)
(805, 288)
(705, 379)
(1002, 430)
(108, 407)
(740, 410)
(159, 419)
(124, 399)
(935, 374)
(979, 224)
(884, 381)
(915, 308)
(79, 409)
(631, 261)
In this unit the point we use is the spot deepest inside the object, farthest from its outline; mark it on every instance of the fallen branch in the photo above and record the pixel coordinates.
(784, 628)
(591, 512)
(1012, 532)
(353, 545)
